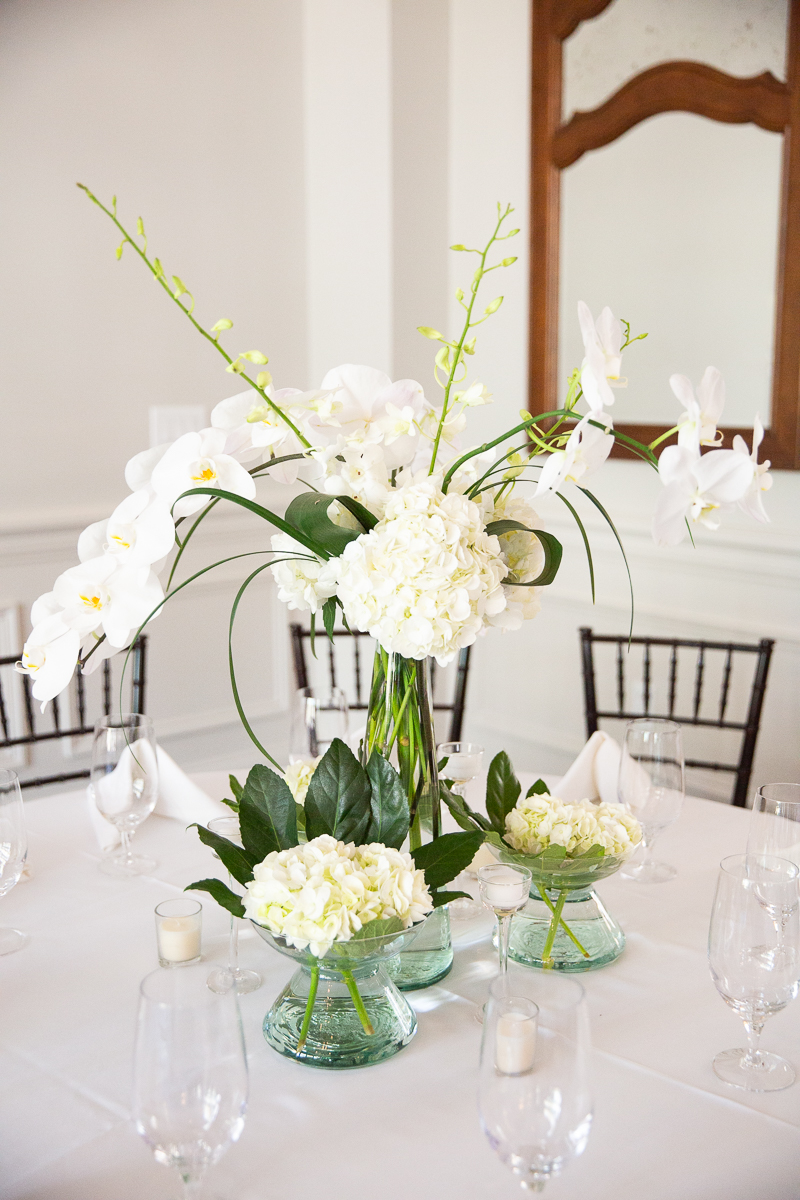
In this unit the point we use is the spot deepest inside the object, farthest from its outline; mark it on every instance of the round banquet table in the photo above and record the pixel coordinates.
(664, 1125)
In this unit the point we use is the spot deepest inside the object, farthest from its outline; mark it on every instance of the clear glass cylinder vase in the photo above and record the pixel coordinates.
(400, 726)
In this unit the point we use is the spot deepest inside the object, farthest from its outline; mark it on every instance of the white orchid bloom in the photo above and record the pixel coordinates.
(362, 395)
(252, 426)
(474, 395)
(586, 450)
(49, 657)
(139, 470)
(751, 502)
(139, 532)
(697, 489)
(198, 460)
(361, 472)
(600, 370)
(699, 422)
(102, 595)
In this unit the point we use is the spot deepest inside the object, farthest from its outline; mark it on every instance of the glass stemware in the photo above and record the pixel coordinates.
(317, 718)
(124, 785)
(755, 960)
(463, 764)
(13, 851)
(534, 1094)
(775, 822)
(190, 1072)
(220, 979)
(651, 785)
(505, 890)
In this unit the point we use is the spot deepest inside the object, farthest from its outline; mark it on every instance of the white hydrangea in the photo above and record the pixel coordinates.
(298, 777)
(524, 557)
(537, 822)
(324, 891)
(304, 584)
(427, 578)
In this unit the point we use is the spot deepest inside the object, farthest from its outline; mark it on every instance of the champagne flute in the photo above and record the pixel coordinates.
(220, 979)
(463, 764)
(534, 1093)
(190, 1073)
(651, 786)
(13, 851)
(317, 718)
(124, 785)
(754, 968)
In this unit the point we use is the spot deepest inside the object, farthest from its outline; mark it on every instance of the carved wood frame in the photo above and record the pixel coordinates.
(669, 87)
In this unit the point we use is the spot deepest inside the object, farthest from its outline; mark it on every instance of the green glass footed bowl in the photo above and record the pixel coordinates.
(343, 1009)
(564, 926)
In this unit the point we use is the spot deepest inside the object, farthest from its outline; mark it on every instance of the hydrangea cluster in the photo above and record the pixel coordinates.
(298, 777)
(324, 891)
(523, 555)
(427, 578)
(537, 822)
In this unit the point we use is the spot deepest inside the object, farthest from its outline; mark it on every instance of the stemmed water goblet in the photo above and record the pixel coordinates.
(775, 830)
(651, 785)
(13, 851)
(755, 960)
(221, 978)
(190, 1072)
(534, 1094)
(463, 764)
(505, 890)
(316, 719)
(124, 785)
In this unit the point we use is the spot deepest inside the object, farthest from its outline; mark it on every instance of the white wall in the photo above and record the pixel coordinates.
(302, 166)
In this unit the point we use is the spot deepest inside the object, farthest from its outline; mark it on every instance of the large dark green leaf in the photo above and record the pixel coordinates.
(500, 527)
(221, 893)
(338, 797)
(463, 815)
(439, 898)
(447, 856)
(238, 861)
(308, 512)
(362, 514)
(287, 527)
(267, 818)
(329, 615)
(502, 791)
(539, 788)
(389, 804)
(553, 551)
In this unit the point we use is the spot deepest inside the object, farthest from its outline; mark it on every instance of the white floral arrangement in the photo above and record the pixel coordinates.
(298, 777)
(539, 821)
(421, 541)
(324, 891)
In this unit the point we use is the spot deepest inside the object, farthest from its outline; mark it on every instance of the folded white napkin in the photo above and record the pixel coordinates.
(178, 797)
(594, 774)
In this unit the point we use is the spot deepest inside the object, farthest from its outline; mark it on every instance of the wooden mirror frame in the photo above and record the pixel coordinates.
(668, 87)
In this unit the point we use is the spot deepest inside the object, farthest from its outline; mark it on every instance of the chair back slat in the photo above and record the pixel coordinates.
(81, 698)
(357, 668)
(706, 652)
(56, 715)
(3, 711)
(28, 698)
(331, 665)
(106, 687)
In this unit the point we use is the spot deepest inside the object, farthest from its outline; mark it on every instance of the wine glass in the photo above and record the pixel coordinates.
(221, 978)
(317, 718)
(651, 786)
(754, 968)
(463, 764)
(534, 1094)
(190, 1072)
(775, 830)
(505, 890)
(124, 784)
(13, 851)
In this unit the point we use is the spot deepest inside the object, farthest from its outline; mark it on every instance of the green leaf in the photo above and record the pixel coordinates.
(308, 513)
(362, 514)
(447, 856)
(312, 634)
(267, 817)
(329, 615)
(236, 787)
(221, 893)
(498, 528)
(613, 529)
(439, 898)
(279, 523)
(238, 861)
(552, 559)
(338, 797)
(463, 815)
(502, 791)
(389, 804)
(300, 814)
(380, 927)
(231, 804)
(539, 788)
(585, 537)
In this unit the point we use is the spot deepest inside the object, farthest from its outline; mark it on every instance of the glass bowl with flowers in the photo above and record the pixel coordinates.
(568, 848)
(326, 883)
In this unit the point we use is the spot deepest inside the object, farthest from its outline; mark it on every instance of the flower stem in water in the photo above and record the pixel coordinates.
(547, 960)
(563, 923)
(363, 1015)
(312, 995)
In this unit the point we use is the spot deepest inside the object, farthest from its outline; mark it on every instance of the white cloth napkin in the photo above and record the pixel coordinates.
(178, 797)
(594, 774)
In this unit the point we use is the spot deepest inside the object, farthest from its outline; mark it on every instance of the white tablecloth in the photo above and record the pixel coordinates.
(664, 1127)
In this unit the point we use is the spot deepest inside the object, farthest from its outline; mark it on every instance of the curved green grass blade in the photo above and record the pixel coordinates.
(262, 512)
(613, 529)
(236, 698)
(587, 547)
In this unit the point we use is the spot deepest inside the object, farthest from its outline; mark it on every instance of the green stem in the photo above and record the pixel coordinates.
(526, 424)
(363, 1015)
(657, 441)
(312, 995)
(555, 920)
(562, 922)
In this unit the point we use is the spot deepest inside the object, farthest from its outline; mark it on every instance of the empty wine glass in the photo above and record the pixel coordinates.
(220, 979)
(651, 786)
(124, 785)
(775, 830)
(13, 851)
(505, 890)
(463, 764)
(754, 971)
(317, 718)
(190, 1072)
(534, 1094)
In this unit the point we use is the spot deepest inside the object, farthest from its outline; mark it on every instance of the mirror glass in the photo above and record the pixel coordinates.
(675, 226)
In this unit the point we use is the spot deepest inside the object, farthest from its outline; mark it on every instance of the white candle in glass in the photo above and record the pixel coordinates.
(515, 1045)
(178, 931)
(506, 888)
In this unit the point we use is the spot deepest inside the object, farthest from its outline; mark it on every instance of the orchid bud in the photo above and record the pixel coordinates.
(459, 294)
(263, 379)
(113, 204)
(458, 246)
(443, 358)
(507, 262)
(140, 226)
(259, 412)
(493, 306)
(236, 367)
(158, 268)
(427, 332)
(255, 356)
(222, 323)
(469, 347)
(180, 288)
(512, 233)
(119, 249)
